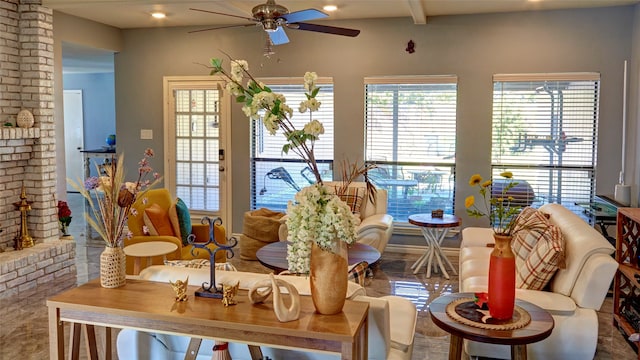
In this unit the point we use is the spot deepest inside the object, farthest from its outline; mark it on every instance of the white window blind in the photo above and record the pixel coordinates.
(197, 120)
(277, 176)
(411, 137)
(545, 132)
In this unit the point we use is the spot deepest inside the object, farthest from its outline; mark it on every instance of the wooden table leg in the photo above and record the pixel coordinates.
(90, 340)
(192, 349)
(74, 341)
(56, 335)
(519, 352)
(455, 348)
(136, 266)
(108, 351)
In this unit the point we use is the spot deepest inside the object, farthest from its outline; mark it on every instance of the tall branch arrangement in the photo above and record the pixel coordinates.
(111, 198)
(260, 102)
(316, 214)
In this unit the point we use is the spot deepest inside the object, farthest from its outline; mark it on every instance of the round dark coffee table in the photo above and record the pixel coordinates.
(274, 255)
(538, 329)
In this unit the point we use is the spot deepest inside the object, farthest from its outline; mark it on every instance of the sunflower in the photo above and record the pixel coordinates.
(469, 201)
(475, 180)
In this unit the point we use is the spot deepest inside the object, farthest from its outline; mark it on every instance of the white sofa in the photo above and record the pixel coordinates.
(392, 322)
(575, 293)
(376, 225)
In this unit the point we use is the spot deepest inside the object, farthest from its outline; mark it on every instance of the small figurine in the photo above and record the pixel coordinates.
(180, 287)
(228, 293)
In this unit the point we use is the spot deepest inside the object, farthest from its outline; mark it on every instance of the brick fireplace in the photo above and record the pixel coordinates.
(28, 156)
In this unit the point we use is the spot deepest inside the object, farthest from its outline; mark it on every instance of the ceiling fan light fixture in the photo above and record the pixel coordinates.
(158, 15)
(269, 25)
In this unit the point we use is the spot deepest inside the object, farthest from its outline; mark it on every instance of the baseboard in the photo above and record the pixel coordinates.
(418, 250)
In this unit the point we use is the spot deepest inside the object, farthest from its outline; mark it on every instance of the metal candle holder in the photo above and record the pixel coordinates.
(23, 240)
(210, 290)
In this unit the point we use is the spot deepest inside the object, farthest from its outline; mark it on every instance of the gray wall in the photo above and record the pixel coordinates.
(473, 47)
(71, 29)
(633, 113)
(98, 105)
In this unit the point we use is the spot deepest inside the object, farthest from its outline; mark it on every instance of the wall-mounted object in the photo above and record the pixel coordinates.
(411, 47)
(25, 119)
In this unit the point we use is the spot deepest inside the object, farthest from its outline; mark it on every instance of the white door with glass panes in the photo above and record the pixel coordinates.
(197, 160)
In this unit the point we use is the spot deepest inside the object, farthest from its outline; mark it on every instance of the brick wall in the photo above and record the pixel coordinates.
(24, 270)
(27, 157)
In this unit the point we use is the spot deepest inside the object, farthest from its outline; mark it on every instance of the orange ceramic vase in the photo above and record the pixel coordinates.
(502, 279)
(328, 277)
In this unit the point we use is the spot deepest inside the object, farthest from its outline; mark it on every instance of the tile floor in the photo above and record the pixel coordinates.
(24, 324)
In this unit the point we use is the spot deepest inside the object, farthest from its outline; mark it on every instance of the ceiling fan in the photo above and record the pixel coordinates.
(273, 18)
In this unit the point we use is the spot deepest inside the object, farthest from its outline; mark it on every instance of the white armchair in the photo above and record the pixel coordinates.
(376, 226)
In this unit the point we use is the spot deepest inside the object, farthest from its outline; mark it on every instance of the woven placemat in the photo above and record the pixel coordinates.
(465, 311)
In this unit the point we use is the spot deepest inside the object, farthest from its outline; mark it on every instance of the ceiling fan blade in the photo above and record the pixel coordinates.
(324, 29)
(304, 15)
(219, 13)
(220, 27)
(278, 37)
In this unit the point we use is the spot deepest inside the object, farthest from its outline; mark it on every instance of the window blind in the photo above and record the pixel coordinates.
(545, 132)
(277, 176)
(411, 136)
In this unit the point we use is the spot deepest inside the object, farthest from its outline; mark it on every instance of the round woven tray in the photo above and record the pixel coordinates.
(465, 311)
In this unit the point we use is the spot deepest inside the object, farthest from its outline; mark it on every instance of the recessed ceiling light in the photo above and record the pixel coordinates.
(330, 8)
(158, 15)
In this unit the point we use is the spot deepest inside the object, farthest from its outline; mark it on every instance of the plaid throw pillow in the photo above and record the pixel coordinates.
(353, 197)
(358, 272)
(526, 227)
(545, 258)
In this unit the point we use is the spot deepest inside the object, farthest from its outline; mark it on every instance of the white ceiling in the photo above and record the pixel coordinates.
(127, 14)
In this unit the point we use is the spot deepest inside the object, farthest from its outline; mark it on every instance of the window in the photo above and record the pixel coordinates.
(276, 176)
(411, 137)
(545, 132)
(196, 118)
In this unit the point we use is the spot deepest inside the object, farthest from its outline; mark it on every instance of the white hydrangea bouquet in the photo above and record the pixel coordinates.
(317, 215)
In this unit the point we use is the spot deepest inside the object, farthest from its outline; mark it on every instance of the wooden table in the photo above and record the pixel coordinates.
(434, 231)
(538, 329)
(148, 250)
(150, 306)
(274, 255)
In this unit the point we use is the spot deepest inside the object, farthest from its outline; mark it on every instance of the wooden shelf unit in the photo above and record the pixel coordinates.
(627, 278)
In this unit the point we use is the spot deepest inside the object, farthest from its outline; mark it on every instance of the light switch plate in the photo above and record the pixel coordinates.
(146, 134)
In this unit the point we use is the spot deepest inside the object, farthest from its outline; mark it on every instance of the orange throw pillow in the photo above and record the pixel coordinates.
(157, 220)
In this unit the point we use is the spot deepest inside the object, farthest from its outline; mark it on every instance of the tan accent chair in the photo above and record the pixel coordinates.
(162, 197)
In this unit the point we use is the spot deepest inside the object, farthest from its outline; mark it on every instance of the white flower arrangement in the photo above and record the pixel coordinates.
(315, 215)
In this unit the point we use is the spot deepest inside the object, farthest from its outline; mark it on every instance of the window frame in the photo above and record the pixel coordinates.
(403, 226)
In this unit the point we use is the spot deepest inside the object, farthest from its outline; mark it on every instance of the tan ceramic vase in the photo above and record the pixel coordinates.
(502, 279)
(328, 278)
(113, 267)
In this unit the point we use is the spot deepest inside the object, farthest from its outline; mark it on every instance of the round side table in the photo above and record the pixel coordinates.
(434, 231)
(538, 329)
(148, 249)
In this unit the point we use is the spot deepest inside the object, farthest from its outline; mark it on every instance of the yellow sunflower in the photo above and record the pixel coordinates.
(486, 184)
(469, 201)
(506, 175)
(475, 180)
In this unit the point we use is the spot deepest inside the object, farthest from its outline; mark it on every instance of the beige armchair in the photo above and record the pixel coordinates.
(376, 226)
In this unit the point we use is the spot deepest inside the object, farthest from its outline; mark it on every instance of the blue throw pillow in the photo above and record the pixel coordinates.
(184, 220)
